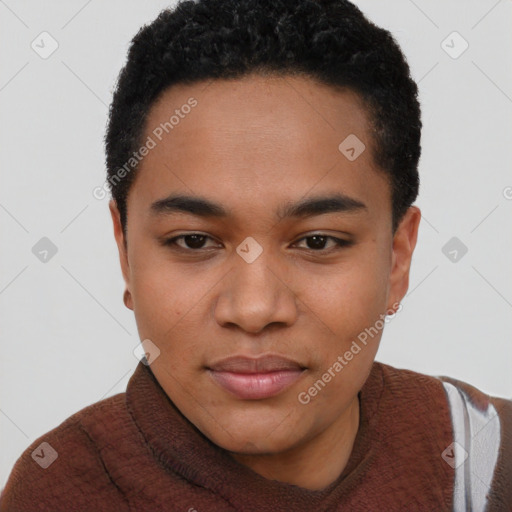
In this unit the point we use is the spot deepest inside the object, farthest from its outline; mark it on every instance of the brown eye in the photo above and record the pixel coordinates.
(317, 243)
(191, 242)
(194, 241)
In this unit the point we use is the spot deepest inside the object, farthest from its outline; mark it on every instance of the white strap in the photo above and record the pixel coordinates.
(476, 444)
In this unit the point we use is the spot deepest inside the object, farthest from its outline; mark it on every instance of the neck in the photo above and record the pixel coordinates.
(315, 464)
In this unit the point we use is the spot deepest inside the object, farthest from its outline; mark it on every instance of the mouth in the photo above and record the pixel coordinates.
(256, 378)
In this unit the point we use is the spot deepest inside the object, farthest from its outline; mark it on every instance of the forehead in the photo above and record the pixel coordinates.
(258, 136)
(285, 109)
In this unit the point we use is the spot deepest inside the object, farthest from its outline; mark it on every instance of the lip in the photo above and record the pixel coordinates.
(255, 378)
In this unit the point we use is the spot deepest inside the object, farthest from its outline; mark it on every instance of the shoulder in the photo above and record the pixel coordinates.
(63, 469)
(480, 445)
(405, 385)
(482, 429)
(401, 380)
(480, 413)
(461, 397)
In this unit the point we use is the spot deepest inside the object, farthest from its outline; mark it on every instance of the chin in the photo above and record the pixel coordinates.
(264, 446)
(253, 440)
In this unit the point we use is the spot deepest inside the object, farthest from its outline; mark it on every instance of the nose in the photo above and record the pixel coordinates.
(255, 295)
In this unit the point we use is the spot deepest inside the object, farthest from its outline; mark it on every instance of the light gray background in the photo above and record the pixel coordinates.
(66, 337)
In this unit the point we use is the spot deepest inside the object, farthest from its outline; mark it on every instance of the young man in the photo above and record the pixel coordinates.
(262, 158)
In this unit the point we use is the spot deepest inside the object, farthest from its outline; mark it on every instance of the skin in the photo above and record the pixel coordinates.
(251, 145)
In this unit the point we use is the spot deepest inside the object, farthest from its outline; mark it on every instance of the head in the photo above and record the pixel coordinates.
(262, 158)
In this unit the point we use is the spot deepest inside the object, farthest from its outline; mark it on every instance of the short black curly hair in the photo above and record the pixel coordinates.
(327, 40)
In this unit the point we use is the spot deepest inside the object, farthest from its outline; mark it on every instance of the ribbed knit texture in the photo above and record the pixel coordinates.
(136, 452)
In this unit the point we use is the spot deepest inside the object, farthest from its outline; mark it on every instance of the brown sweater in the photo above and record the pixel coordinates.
(136, 452)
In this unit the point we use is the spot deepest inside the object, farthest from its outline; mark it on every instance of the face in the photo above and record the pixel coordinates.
(278, 252)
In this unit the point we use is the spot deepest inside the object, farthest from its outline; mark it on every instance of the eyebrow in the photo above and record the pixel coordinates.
(310, 207)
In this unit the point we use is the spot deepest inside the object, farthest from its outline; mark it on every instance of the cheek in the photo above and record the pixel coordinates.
(169, 309)
(160, 295)
(347, 299)
(161, 286)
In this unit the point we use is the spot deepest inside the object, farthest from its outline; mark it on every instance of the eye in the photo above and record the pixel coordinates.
(318, 242)
(192, 241)
(195, 242)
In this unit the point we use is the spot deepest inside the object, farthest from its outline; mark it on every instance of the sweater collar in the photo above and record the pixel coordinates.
(179, 446)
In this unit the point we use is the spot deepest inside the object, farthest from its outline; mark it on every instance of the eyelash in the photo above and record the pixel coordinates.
(340, 243)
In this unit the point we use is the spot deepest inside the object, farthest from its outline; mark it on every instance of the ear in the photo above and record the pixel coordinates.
(122, 248)
(404, 242)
